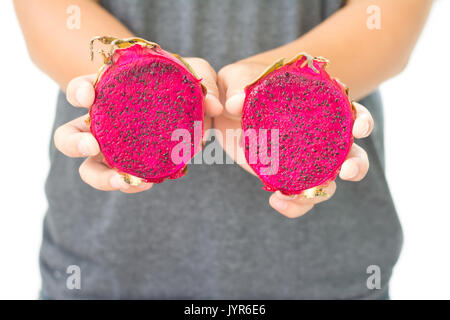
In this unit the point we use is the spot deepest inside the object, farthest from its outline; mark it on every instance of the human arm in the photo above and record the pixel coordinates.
(360, 57)
(62, 53)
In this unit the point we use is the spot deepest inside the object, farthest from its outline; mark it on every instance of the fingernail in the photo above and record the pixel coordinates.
(279, 204)
(83, 147)
(81, 94)
(212, 97)
(234, 103)
(118, 183)
(214, 101)
(363, 127)
(350, 169)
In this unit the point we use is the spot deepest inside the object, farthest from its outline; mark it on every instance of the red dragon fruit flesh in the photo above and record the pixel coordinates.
(143, 94)
(313, 118)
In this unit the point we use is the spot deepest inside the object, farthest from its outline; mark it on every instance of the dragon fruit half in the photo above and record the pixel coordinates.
(143, 94)
(313, 118)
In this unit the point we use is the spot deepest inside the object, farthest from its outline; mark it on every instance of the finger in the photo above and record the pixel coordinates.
(213, 107)
(80, 91)
(356, 165)
(74, 139)
(235, 103)
(233, 79)
(363, 125)
(142, 187)
(99, 176)
(329, 191)
(297, 205)
(289, 209)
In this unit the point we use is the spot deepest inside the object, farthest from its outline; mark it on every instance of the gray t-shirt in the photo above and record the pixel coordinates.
(212, 233)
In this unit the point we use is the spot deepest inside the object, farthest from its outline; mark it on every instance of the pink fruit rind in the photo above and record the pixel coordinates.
(141, 98)
(314, 117)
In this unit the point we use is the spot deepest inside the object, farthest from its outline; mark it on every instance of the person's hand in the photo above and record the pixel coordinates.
(232, 80)
(74, 138)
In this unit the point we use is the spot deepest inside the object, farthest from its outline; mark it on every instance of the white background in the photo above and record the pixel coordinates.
(417, 114)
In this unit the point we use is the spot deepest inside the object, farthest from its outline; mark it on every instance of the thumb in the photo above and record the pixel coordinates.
(80, 91)
(209, 79)
(233, 79)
